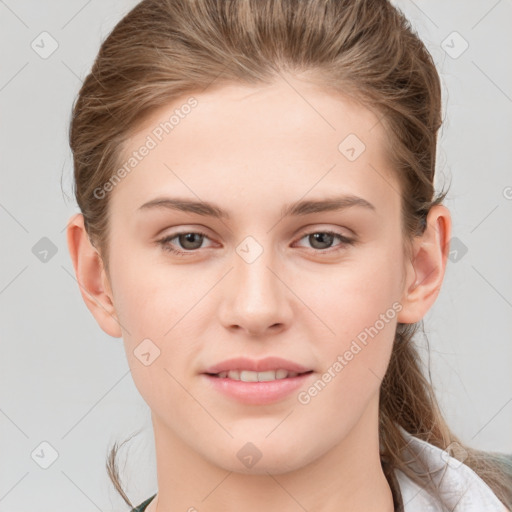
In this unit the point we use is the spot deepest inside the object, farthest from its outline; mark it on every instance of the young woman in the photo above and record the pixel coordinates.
(259, 224)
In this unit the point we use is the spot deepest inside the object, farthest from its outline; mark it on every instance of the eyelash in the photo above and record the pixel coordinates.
(164, 242)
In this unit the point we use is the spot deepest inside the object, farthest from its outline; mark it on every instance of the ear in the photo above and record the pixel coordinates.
(425, 273)
(91, 276)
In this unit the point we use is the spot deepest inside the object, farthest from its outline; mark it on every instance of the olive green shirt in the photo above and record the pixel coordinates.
(143, 505)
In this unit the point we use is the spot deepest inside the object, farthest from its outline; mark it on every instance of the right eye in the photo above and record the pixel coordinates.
(184, 237)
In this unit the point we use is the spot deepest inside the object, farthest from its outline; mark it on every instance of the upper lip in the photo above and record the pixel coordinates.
(257, 365)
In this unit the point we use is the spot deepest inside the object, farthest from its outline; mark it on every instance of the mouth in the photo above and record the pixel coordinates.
(258, 388)
(251, 376)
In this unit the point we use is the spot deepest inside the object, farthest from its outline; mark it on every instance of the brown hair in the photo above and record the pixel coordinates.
(366, 49)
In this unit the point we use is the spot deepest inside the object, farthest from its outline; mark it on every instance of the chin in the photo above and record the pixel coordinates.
(261, 458)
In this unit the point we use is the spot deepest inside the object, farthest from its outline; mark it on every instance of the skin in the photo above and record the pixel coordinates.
(251, 150)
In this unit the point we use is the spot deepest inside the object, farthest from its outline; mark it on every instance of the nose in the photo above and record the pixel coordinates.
(256, 297)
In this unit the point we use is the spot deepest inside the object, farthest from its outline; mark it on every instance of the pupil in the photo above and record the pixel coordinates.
(320, 236)
(188, 238)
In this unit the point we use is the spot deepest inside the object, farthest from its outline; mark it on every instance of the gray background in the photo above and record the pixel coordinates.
(67, 383)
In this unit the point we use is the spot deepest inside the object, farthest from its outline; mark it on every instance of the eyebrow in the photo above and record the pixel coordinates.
(304, 207)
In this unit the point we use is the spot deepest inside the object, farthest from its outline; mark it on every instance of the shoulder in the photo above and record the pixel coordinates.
(459, 486)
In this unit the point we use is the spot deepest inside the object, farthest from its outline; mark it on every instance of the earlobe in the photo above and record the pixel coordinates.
(91, 277)
(428, 266)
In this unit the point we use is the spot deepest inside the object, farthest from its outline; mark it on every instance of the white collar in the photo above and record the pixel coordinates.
(461, 488)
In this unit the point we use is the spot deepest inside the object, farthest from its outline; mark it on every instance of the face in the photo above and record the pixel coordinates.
(320, 287)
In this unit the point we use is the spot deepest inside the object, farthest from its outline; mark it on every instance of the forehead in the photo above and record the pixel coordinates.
(282, 139)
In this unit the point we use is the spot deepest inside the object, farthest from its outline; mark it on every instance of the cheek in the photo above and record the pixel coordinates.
(355, 359)
(155, 304)
(152, 297)
(360, 305)
(354, 294)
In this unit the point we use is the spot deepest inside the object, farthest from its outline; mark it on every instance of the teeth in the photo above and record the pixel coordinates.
(248, 376)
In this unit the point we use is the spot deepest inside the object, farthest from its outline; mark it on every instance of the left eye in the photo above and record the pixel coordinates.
(186, 238)
(326, 237)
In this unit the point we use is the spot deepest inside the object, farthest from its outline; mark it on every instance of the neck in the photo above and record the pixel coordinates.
(347, 477)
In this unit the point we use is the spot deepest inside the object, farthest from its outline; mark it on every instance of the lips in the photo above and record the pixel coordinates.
(257, 393)
(260, 365)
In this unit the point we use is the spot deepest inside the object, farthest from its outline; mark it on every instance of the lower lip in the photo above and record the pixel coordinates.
(258, 393)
